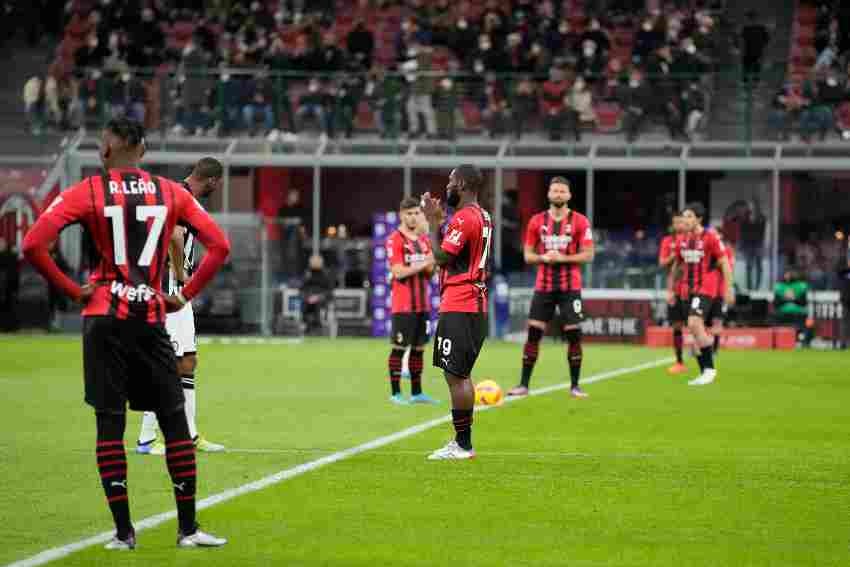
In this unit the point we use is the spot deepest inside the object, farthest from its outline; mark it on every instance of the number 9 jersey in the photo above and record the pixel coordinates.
(468, 236)
(130, 216)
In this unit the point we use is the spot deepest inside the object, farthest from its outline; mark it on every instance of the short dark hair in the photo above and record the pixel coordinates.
(559, 179)
(409, 203)
(472, 178)
(676, 213)
(129, 130)
(208, 168)
(697, 208)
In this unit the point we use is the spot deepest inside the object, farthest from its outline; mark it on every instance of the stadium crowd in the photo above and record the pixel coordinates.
(271, 68)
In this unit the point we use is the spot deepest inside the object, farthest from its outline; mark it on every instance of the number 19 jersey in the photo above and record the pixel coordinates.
(463, 281)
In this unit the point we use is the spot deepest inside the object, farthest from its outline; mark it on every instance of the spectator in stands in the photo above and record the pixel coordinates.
(411, 34)
(687, 65)
(316, 292)
(598, 36)
(788, 103)
(34, 103)
(257, 99)
(9, 279)
(754, 39)
(463, 36)
(665, 101)
(704, 38)
(193, 116)
(383, 91)
(421, 90)
(635, 98)
(229, 102)
(92, 54)
(346, 95)
(751, 243)
(647, 40)
(791, 304)
(592, 63)
(562, 40)
(361, 44)
(579, 107)
(127, 97)
(494, 21)
(554, 91)
(90, 94)
(536, 60)
(826, 96)
(692, 109)
(445, 103)
(312, 104)
(59, 96)
(332, 58)
(146, 42)
(523, 105)
(495, 107)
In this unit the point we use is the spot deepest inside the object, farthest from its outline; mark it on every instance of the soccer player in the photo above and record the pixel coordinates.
(717, 313)
(677, 309)
(127, 356)
(558, 241)
(411, 264)
(204, 180)
(698, 253)
(462, 257)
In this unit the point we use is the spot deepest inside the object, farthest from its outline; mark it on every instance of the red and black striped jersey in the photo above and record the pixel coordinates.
(699, 253)
(463, 281)
(567, 236)
(413, 293)
(721, 281)
(129, 216)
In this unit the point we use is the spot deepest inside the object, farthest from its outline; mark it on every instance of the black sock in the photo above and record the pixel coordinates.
(678, 341)
(180, 459)
(462, 421)
(716, 344)
(394, 363)
(529, 354)
(574, 355)
(707, 358)
(112, 466)
(700, 361)
(415, 365)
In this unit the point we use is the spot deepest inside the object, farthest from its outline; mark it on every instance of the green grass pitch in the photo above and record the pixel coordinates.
(753, 470)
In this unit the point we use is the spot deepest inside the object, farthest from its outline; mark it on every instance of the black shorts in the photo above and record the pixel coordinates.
(458, 342)
(717, 311)
(568, 303)
(700, 306)
(409, 329)
(129, 361)
(678, 312)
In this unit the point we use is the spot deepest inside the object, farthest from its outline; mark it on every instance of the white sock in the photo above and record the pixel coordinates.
(189, 393)
(148, 432)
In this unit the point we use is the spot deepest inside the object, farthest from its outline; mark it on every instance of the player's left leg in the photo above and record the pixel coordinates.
(462, 393)
(186, 366)
(572, 312)
(702, 339)
(415, 362)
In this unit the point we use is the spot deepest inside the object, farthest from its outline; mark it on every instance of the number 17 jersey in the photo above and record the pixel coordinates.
(130, 216)
(463, 281)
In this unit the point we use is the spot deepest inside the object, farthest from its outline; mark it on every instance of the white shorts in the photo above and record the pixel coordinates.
(181, 330)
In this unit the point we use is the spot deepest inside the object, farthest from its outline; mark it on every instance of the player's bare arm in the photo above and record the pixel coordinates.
(666, 261)
(672, 276)
(532, 258)
(401, 272)
(176, 254)
(729, 294)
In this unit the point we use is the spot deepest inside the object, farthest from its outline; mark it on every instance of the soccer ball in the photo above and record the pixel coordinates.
(488, 393)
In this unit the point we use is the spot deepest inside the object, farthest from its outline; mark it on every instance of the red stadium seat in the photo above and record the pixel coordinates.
(842, 117)
(364, 120)
(471, 114)
(608, 117)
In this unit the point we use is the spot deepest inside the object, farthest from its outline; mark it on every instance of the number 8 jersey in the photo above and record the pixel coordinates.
(468, 236)
(130, 216)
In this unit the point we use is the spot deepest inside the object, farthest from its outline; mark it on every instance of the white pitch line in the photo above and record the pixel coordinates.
(153, 521)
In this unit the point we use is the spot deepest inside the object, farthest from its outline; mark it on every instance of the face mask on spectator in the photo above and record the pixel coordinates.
(412, 51)
(831, 81)
(446, 84)
(535, 49)
(125, 77)
(461, 23)
(589, 51)
(579, 85)
(594, 25)
(634, 82)
(647, 26)
(484, 45)
(691, 48)
(147, 15)
(93, 42)
(564, 28)
(479, 66)
(406, 26)
(278, 17)
(314, 87)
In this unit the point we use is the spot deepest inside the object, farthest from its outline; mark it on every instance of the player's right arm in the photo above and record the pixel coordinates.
(665, 255)
(70, 207)
(532, 239)
(176, 253)
(211, 236)
(395, 255)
